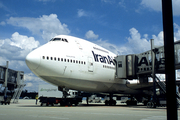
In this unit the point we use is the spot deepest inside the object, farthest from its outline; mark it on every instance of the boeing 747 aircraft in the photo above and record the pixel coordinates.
(74, 63)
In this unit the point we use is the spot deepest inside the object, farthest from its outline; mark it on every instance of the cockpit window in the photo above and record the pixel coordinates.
(59, 39)
(56, 39)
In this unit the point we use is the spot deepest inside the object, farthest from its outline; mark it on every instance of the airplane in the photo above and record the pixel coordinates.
(74, 63)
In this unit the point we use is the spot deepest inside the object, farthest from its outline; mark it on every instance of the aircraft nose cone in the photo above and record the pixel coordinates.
(33, 60)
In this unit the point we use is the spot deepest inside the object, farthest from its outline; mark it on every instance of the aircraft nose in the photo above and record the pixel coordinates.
(33, 60)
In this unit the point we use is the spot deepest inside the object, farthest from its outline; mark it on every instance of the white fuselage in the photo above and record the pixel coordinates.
(77, 64)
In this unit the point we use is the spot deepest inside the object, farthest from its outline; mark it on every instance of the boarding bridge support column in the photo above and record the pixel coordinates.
(153, 58)
(6, 76)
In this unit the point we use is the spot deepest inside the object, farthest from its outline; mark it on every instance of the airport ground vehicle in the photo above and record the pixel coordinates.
(94, 99)
(50, 95)
(7, 101)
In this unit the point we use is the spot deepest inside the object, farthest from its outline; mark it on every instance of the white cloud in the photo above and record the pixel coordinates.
(108, 1)
(47, 0)
(90, 35)
(2, 23)
(152, 4)
(156, 5)
(81, 13)
(45, 26)
(2, 6)
(176, 7)
(15, 49)
(122, 4)
(24, 42)
(3, 60)
(32, 82)
(137, 43)
(29, 84)
(111, 47)
(158, 40)
(177, 32)
(31, 77)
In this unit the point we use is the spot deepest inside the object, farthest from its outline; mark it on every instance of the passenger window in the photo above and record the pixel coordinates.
(64, 60)
(51, 58)
(73, 61)
(43, 57)
(55, 58)
(76, 61)
(84, 62)
(61, 59)
(47, 58)
(68, 60)
(58, 59)
(81, 62)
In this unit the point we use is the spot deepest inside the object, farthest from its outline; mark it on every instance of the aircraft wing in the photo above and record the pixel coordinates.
(138, 86)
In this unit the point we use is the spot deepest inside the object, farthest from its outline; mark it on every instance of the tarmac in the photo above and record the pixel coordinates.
(27, 110)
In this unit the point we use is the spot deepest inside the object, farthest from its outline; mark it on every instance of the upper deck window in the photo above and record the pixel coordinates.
(59, 39)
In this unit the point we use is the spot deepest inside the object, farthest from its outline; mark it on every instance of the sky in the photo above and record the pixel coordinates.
(121, 26)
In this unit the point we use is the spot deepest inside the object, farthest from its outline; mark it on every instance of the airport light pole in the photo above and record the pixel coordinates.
(169, 59)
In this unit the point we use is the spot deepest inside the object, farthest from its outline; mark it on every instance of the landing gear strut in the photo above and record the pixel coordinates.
(65, 101)
(65, 92)
(110, 102)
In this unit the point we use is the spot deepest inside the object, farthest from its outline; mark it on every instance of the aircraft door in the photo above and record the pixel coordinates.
(90, 64)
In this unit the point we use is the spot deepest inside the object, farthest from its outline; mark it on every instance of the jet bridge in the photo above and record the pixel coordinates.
(147, 64)
(12, 81)
(134, 65)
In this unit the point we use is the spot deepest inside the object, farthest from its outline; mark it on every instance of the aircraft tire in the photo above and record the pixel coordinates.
(107, 102)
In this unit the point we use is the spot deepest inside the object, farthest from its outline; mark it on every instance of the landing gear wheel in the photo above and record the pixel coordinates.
(47, 104)
(151, 105)
(107, 102)
(110, 102)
